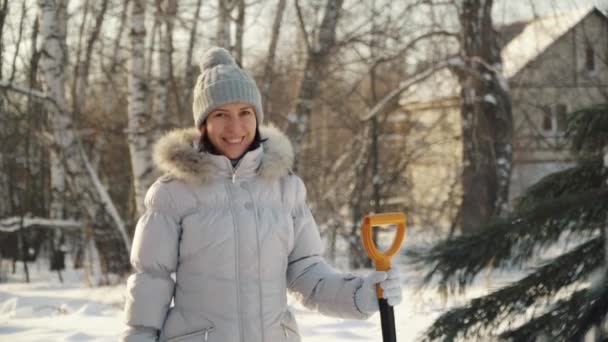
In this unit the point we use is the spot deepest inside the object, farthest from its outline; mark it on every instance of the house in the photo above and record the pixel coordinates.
(554, 65)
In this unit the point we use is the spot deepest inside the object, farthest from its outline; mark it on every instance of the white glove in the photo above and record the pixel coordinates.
(365, 297)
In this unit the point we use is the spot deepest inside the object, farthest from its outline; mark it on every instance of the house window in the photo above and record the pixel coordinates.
(547, 123)
(554, 118)
(561, 111)
(589, 58)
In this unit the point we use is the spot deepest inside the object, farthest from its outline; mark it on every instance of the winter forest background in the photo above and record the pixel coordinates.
(464, 114)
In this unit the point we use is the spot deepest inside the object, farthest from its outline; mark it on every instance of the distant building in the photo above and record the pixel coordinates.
(553, 66)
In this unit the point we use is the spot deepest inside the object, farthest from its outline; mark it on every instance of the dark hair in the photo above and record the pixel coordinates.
(205, 145)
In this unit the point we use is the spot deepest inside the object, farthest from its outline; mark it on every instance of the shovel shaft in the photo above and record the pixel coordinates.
(387, 320)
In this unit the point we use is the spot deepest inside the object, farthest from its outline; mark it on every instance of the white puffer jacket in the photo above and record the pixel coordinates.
(237, 239)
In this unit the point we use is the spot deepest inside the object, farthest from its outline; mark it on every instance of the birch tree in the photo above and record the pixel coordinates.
(3, 177)
(140, 123)
(487, 123)
(69, 164)
(52, 64)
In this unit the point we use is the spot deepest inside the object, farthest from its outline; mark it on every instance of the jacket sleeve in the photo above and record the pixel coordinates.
(154, 256)
(316, 284)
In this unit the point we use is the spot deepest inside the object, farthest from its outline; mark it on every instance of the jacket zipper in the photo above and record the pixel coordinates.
(234, 169)
(236, 258)
(259, 253)
(287, 329)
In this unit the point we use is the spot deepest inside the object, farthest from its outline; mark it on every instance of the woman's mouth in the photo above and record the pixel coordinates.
(234, 141)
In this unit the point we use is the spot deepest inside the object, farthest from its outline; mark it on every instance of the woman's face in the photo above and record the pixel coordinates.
(231, 128)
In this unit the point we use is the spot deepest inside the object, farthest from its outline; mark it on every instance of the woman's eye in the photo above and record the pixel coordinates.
(246, 112)
(218, 115)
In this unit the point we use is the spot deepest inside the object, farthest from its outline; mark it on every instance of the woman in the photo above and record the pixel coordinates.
(231, 221)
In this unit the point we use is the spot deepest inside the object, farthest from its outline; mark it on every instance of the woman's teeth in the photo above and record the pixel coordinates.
(234, 140)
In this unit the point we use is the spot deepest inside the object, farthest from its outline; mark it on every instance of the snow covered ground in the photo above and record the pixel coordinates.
(46, 310)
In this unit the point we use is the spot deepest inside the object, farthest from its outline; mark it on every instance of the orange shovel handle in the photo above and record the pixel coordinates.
(382, 260)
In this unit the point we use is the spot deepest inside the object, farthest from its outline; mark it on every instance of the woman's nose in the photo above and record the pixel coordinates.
(233, 123)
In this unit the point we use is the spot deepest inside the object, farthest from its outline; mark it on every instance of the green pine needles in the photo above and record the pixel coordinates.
(561, 298)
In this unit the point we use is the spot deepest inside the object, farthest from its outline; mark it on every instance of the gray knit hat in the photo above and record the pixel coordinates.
(222, 81)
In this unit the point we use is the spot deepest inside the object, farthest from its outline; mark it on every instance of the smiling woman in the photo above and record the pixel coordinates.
(230, 129)
(230, 219)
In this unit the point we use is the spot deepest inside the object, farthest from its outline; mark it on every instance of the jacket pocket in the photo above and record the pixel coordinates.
(198, 335)
(289, 325)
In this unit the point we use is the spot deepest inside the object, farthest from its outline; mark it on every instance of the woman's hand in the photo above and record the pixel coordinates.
(365, 297)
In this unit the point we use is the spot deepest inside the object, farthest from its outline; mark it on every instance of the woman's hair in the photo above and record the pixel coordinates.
(205, 145)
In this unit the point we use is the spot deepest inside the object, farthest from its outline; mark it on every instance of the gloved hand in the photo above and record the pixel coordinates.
(365, 297)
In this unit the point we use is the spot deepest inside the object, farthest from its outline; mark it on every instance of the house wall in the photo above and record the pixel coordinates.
(558, 76)
(434, 158)
(557, 80)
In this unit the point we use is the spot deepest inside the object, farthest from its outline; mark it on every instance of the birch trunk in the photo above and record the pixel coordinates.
(487, 124)
(52, 65)
(4, 201)
(140, 123)
(319, 52)
(272, 49)
(67, 155)
(606, 225)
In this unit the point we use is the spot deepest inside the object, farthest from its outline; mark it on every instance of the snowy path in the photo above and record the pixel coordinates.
(48, 311)
(45, 310)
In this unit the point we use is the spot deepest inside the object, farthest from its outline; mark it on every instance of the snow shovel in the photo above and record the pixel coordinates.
(382, 261)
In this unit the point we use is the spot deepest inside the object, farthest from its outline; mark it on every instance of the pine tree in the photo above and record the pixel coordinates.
(562, 298)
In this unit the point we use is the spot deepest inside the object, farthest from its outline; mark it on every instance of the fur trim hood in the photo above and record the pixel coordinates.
(175, 154)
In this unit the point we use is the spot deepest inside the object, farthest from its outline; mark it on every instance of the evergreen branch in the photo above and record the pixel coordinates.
(589, 174)
(569, 319)
(587, 130)
(512, 241)
(492, 310)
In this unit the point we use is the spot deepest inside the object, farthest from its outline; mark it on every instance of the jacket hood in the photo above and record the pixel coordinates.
(175, 154)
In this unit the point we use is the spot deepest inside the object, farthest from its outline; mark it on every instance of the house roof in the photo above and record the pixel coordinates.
(522, 43)
(507, 32)
(536, 37)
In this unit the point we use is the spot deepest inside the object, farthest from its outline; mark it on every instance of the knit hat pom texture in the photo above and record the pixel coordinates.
(214, 57)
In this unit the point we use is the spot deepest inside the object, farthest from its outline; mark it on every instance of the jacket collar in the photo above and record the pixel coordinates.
(176, 154)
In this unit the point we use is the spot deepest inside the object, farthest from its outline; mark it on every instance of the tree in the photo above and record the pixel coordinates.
(319, 49)
(141, 124)
(267, 76)
(72, 177)
(167, 10)
(567, 207)
(487, 123)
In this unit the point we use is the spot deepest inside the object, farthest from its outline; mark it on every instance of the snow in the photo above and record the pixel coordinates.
(536, 37)
(12, 224)
(489, 98)
(45, 310)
